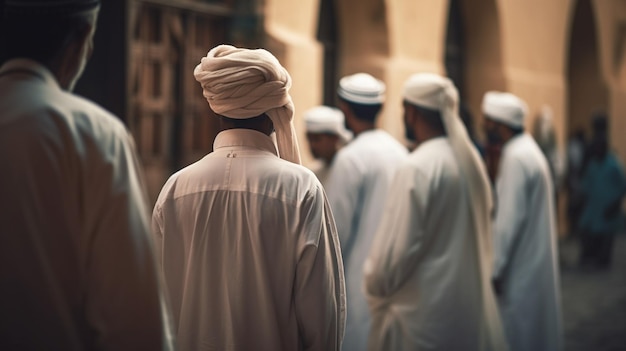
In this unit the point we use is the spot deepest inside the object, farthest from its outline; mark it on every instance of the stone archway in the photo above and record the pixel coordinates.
(363, 34)
(586, 90)
(474, 52)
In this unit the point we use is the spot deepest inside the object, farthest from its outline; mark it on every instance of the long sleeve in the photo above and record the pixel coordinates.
(320, 298)
(125, 304)
(510, 213)
(343, 189)
(399, 241)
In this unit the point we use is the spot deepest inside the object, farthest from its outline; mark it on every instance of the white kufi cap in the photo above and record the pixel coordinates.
(362, 88)
(505, 108)
(325, 119)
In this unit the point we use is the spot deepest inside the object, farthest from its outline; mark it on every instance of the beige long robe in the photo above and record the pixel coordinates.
(77, 271)
(249, 251)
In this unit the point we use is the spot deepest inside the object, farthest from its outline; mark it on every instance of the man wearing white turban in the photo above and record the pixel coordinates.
(525, 274)
(357, 187)
(428, 275)
(246, 240)
(326, 134)
(77, 269)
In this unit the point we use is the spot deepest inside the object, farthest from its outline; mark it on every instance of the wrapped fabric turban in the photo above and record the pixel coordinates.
(243, 83)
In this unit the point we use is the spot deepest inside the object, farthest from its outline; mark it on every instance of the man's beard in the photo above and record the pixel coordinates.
(493, 138)
(79, 73)
(409, 133)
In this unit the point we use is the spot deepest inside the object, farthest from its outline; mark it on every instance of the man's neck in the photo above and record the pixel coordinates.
(426, 135)
(361, 128)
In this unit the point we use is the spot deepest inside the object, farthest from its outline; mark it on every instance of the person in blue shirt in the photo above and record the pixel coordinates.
(603, 188)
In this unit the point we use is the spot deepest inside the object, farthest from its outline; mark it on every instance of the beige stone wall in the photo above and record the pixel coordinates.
(519, 46)
(611, 21)
(291, 29)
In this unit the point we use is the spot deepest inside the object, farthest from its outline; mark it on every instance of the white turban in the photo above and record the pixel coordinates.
(362, 88)
(505, 108)
(243, 83)
(437, 93)
(326, 119)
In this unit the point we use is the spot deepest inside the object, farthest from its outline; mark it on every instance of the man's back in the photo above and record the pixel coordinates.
(357, 188)
(249, 254)
(74, 224)
(525, 248)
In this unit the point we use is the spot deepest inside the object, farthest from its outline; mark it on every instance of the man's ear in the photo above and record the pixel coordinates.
(411, 115)
(84, 36)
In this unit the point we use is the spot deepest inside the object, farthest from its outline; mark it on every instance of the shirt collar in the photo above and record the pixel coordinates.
(245, 138)
(38, 70)
(432, 142)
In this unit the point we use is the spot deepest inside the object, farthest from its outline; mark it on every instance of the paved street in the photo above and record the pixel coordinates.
(594, 302)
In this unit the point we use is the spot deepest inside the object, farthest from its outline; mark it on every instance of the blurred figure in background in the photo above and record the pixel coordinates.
(526, 277)
(245, 237)
(76, 261)
(576, 149)
(357, 187)
(326, 134)
(428, 275)
(545, 136)
(468, 122)
(603, 188)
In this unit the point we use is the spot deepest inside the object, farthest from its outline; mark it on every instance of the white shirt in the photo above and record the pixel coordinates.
(357, 188)
(250, 252)
(76, 262)
(423, 276)
(525, 248)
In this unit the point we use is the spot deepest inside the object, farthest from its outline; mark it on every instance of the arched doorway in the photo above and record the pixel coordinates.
(363, 34)
(587, 92)
(327, 36)
(473, 56)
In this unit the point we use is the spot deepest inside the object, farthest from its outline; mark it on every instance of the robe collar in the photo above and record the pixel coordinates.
(31, 68)
(244, 138)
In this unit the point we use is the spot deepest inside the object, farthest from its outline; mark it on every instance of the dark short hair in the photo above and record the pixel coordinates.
(364, 112)
(245, 123)
(37, 37)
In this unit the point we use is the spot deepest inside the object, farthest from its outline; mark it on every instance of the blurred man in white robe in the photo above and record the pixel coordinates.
(77, 270)
(428, 275)
(326, 134)
(247, 242)
(357, 187)
(526, 276)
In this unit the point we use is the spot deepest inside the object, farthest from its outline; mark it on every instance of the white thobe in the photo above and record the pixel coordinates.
(357, 187)
(77, 270)
(423, 276)
(249, 251)
(525, 249)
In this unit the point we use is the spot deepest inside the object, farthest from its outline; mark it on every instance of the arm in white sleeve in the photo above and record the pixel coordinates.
(510, 212)
(320, 298)
(400, 239)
